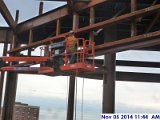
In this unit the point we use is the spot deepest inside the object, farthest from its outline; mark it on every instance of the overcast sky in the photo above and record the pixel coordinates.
(50, 93)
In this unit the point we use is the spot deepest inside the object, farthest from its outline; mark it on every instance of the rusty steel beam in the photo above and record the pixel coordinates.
(128, 76)
(127, 63)
(40, 8)
(134, 22)
(109, 74)
(2, 74)
(53, 15)
(70, 5)
(139, 41)
(70, 109)
(155, 19)
(6, 35)
(42, 19)
(7, 15)
(105, 23)
(10, 95)
(58, 27)
(122, 18)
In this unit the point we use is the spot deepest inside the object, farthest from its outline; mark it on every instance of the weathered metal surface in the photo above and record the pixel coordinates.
(2, 77)
(122, 18)
(10, 95)
(7, 15)
(103, 24)
(129, 63)
(109, 74)
(70, 109)
(129, 76)
(153, 22)
(6, 35)
(134, 22)
(70, 5)
(40, 8)
(139, 41)
(53, 15)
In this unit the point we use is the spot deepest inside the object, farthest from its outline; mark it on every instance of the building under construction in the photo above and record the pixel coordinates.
(113, 25)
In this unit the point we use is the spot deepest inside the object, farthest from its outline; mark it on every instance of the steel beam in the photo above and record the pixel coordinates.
(40, 8)
(128, 77)
(126, 63)
(155, 19)
(133, 23)
(103, 24)
(139, 41)
(109, 74)
(5, 33)
(70, 109)
(53, 15)
(58, 27)
(2, 77)
(10, 95)
(7, 15)
(70, 5)
(92, 21)
(122, 18)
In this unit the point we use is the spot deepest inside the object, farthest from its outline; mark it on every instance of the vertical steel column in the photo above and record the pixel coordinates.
(40, 8)
(2, 75)
(92, 21)
(30, 41)
(75, 21)
(70, 110)
(109, 77)
(58, 27)
(14, 41)
(133, 24)
(10, 95)
(11, 87)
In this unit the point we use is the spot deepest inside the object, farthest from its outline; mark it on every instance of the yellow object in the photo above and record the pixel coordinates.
(71, 44)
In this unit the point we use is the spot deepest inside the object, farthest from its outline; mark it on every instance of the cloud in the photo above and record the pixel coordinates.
(127, 108)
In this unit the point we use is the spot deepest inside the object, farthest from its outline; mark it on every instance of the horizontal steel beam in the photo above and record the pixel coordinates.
(7, 15)
(129, 76)
(105, 23)
(6, 35)
(135, 42)
(120, 76)
(42, 19)
(122, 18)
(127, 63)
(53, 15)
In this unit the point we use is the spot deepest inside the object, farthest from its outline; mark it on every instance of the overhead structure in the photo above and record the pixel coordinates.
(113, 25)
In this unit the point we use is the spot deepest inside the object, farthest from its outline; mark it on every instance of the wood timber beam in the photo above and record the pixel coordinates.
(53, 15)
(7, 15)
(103, 24)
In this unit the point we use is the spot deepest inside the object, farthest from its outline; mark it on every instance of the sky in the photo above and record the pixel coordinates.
(50, 93)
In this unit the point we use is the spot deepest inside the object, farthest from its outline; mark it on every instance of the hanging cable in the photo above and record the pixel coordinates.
(82, 99)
